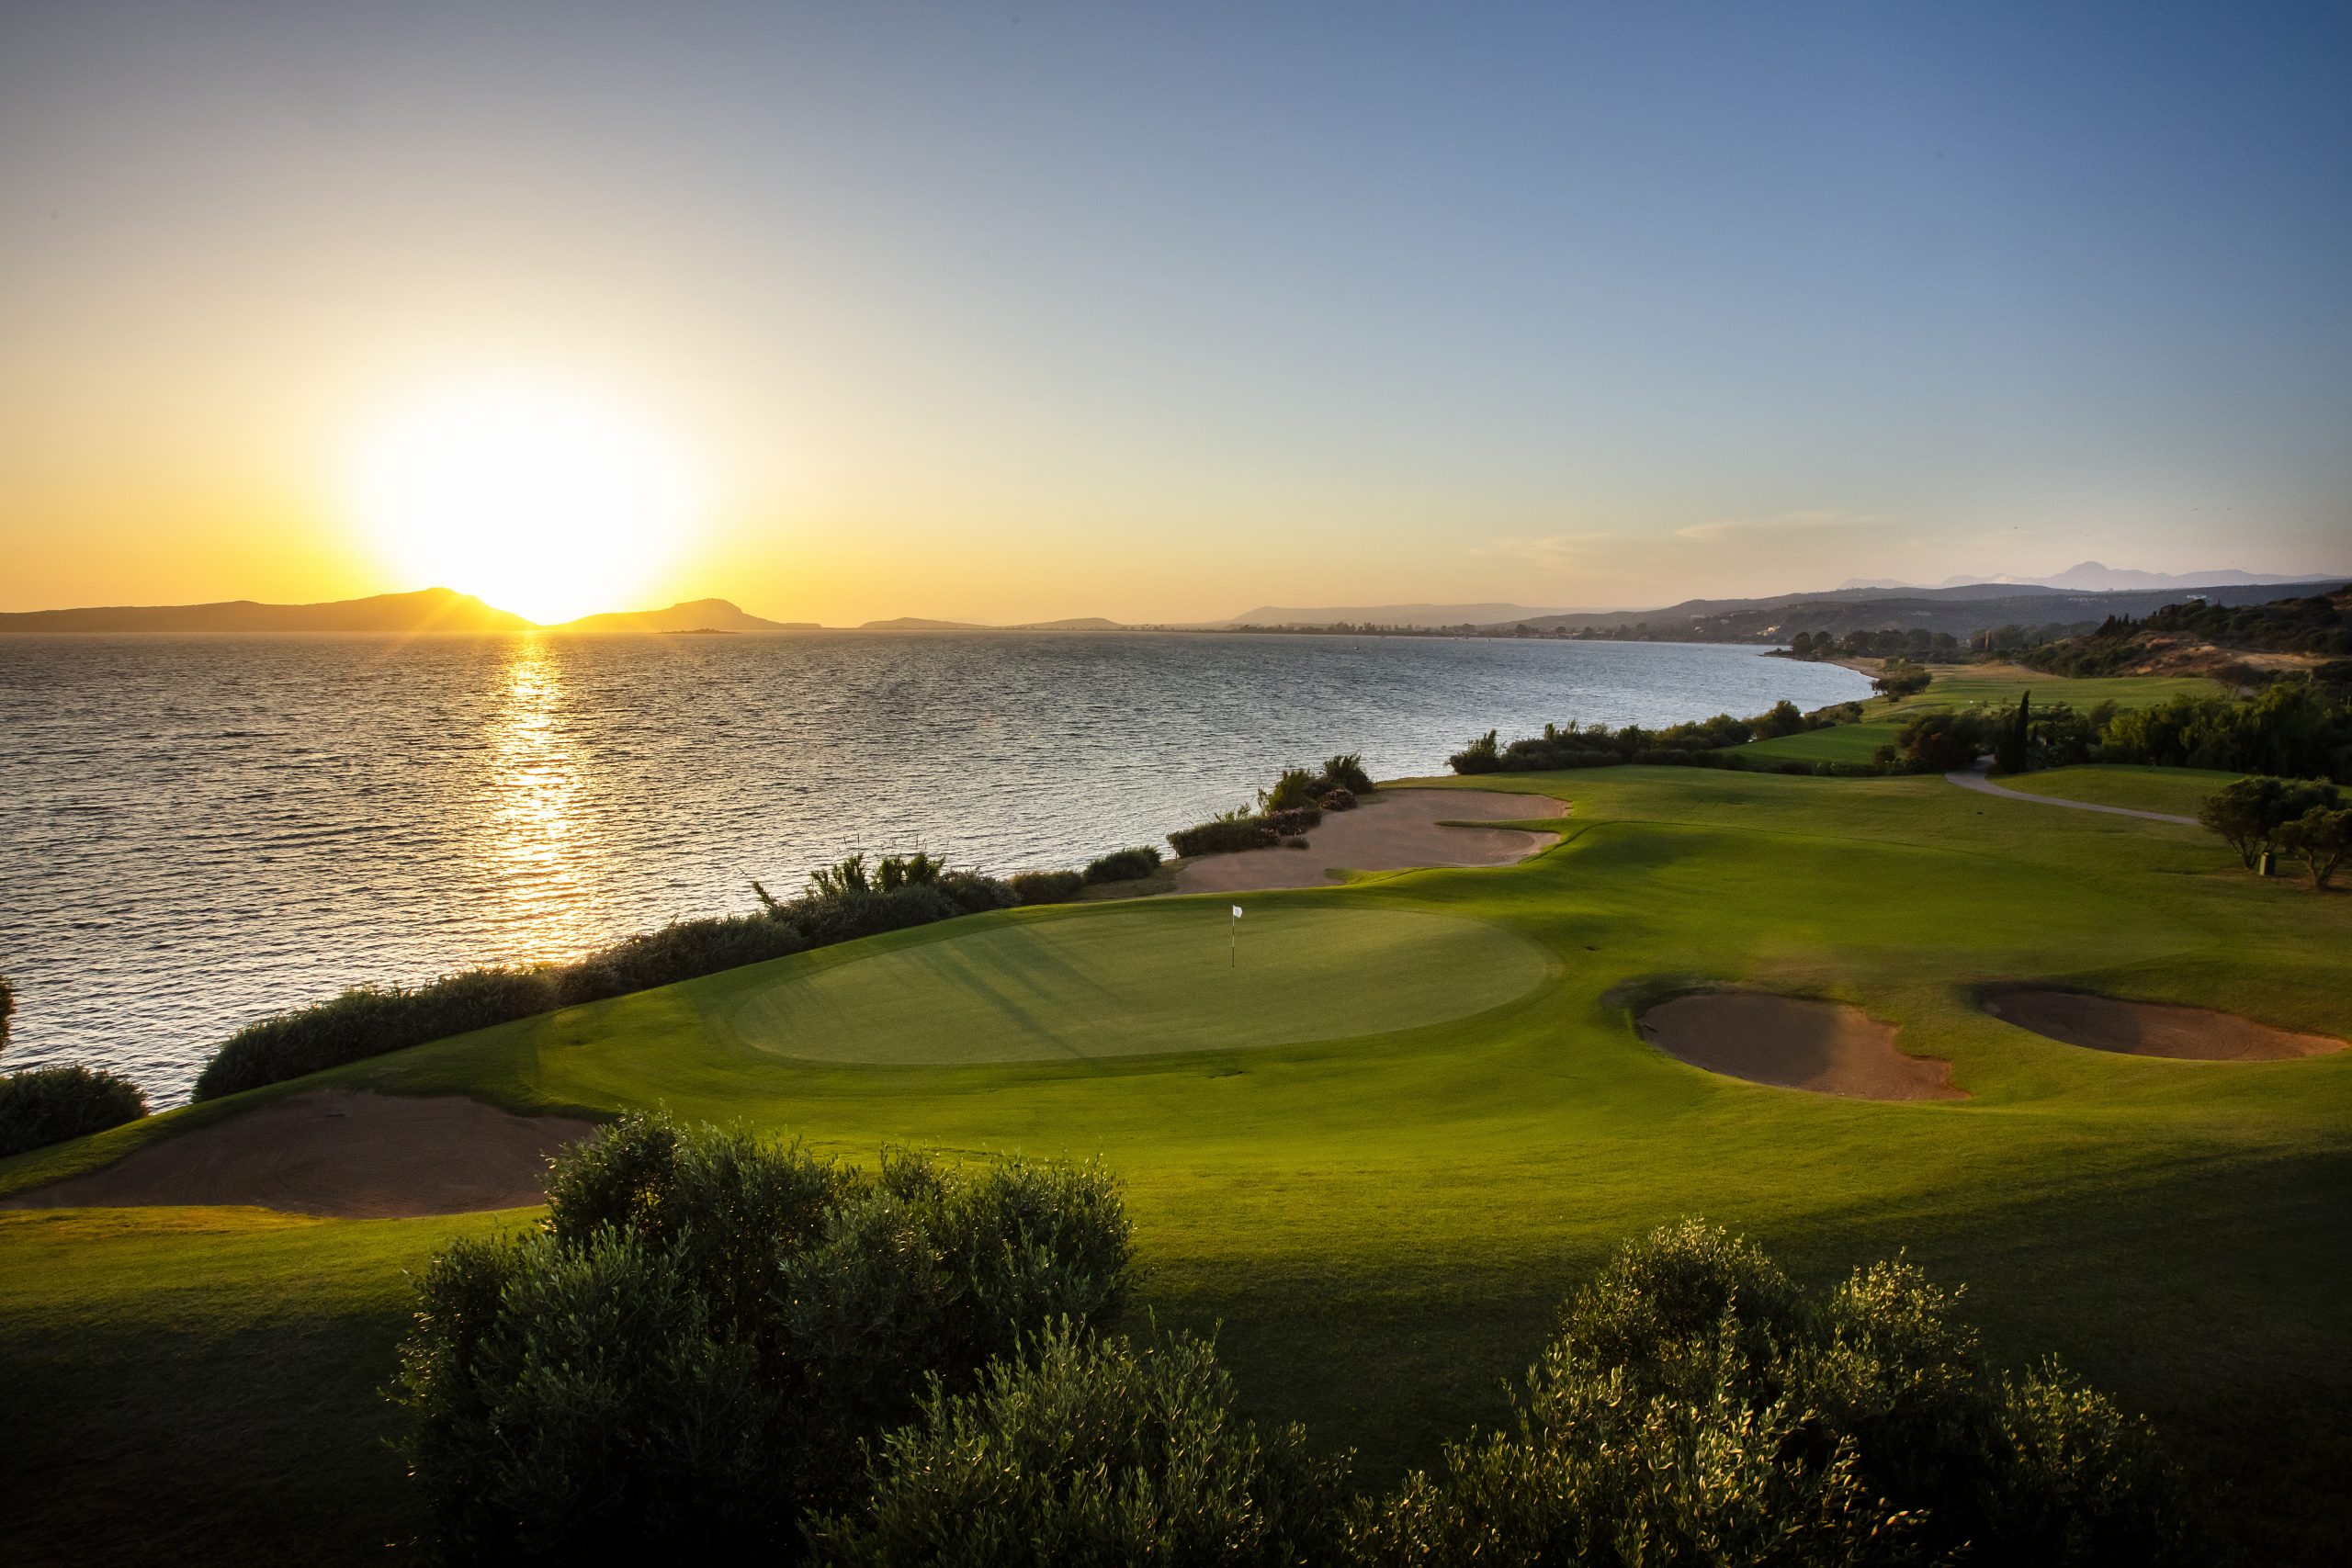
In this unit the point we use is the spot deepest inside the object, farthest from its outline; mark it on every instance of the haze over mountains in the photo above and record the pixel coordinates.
(2093, 577)
(1958, 606)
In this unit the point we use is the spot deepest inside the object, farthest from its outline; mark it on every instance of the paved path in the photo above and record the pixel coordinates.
(1974, 778)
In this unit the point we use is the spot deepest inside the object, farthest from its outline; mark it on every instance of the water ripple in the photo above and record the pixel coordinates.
(194, 833)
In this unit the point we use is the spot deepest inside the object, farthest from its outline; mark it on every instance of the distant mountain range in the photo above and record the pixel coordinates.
(694, 616)
(428, 612)
(1960, 610)
(2093, 577)
(1960, 606)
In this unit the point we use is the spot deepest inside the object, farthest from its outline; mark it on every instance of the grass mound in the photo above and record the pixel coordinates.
(1146, 981)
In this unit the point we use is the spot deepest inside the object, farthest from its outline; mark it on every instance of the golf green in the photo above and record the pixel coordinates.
(1146, 981)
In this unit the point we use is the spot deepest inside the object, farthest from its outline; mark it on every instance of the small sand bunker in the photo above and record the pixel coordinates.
(2152, 1029)
(1826, 1047)
(1394, 830)
(336, 1152)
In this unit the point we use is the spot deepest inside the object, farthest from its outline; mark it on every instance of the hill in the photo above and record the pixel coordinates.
(917, 623)
(1075, 624)
(2095, 576)
(692, 616)
(2211, 638)
(428, 612)
(1960, 611)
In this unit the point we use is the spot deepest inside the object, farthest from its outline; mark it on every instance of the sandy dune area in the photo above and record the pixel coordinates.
(336, 1152)
(1392, 831)
(2152, 1029)
(1794, 1042)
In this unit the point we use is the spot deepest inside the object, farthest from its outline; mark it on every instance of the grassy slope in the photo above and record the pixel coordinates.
(2179, 791)
(1383, 1226)
(1962, 685)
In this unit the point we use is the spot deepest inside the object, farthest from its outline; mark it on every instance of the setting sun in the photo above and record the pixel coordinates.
(542, 500)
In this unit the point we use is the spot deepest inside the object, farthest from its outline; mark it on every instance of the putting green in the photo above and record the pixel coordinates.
(1142, 981)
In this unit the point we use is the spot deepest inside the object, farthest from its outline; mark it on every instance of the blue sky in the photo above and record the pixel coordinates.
(1152, 311)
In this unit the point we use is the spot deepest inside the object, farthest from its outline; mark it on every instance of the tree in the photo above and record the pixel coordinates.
(1900, 678)
(2243, 814)
(2013, 751)
(2320, 838)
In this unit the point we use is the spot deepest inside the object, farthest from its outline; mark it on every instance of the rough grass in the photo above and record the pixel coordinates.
(1383, 1225)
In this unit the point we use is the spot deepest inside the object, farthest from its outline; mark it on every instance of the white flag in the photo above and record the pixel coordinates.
(1236, 911)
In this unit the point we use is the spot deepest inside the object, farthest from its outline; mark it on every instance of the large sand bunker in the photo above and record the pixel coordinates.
(2152, 1029)
(1394, 830)
(334, 1152)
(1794, 1042)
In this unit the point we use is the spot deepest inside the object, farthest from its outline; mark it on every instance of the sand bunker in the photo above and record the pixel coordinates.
(1826, 1047)
(2152, 1029)
(1392, 831)
(336, 1152)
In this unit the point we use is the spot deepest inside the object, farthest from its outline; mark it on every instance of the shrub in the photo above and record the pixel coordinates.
(1898, 679)
(1695, 1408)
(1481, 756)
(683, 950)
(1346, 772)
(1785, 719)
(1293, 821)
(907, 871)
(845, 917)
(841, 877)
(1089, 1451)
(367, 1021)
(1338, 798)
(1125, 865)
(49, 1105)
(1047, 886)
(690, 1350)
(7, 1008)
(1297, 787)
(974, 894)
(1941, 742)
(1225, 835)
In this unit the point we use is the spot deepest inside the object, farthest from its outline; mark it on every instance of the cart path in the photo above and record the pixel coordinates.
(1974, 778)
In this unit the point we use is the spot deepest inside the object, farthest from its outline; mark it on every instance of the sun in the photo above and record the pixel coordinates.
(542, 498)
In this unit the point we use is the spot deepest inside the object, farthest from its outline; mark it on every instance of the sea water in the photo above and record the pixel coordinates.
(197, 832)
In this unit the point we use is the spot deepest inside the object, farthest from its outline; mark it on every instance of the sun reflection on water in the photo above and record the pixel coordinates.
(540, 866)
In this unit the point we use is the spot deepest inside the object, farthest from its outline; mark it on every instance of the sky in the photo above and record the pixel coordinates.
(1158, 312)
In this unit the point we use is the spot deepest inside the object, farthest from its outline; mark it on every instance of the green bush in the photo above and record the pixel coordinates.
(49, 1105)
(974, 894)
(1696, 1409)
(1047, 886)
(1125, 865)
(1226, 835)
(692, 1349)
(367, 1021)
(845, 917)
(1899, 678)
(1295, 787)
(1088, 1451)
(683, 950)
(1346, 772)
(1941, 742)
